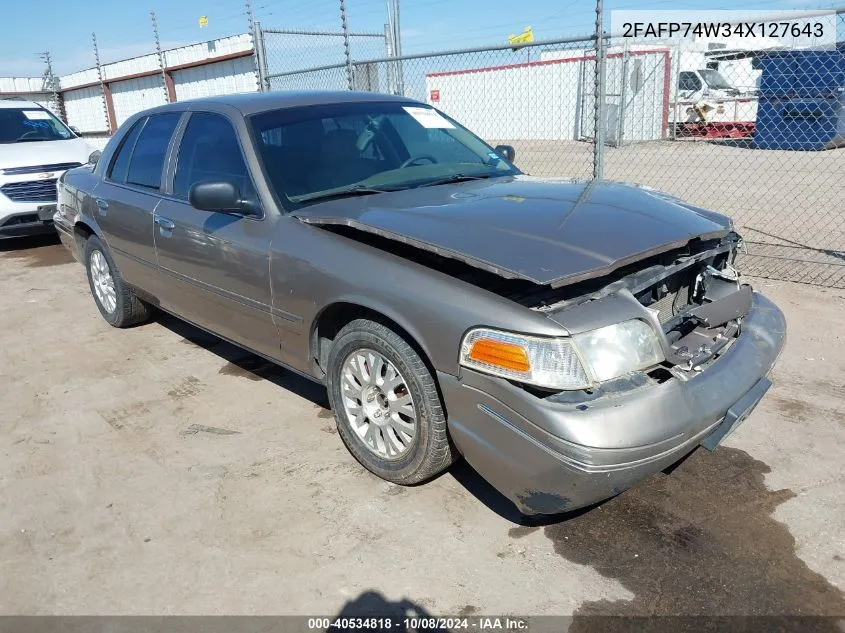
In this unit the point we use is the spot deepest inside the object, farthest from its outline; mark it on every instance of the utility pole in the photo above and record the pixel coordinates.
(164, 80)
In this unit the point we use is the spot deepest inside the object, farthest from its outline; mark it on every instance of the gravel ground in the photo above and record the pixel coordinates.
(158, 470)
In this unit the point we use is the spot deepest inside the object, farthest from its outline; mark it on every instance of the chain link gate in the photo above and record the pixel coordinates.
(756, 134)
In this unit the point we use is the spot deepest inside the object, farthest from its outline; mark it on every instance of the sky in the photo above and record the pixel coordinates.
(123, 27)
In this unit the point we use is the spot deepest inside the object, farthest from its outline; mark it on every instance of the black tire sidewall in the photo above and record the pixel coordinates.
(114, 318)
(406, 466)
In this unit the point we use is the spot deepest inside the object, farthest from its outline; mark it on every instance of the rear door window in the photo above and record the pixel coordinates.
(147, 160)
(120, 164)
(210, 152)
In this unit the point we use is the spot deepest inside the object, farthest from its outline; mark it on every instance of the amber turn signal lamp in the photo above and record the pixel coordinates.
(500, 354)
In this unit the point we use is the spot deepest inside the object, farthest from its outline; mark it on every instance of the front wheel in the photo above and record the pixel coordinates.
(386, 404)
(118, 305)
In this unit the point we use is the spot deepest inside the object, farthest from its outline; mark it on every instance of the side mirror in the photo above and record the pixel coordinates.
(75, 130)
(221, 196)
(506, 151)
(94, 158)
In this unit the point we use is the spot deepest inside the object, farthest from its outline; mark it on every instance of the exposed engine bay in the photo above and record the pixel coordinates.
(694, 293)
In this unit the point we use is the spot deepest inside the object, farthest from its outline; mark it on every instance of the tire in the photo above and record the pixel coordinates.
(127, 309)
(430, 450)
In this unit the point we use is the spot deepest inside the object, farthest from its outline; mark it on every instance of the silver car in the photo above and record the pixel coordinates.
(566, 338)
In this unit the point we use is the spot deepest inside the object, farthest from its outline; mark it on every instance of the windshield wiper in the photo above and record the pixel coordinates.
(456, 178)
(342, 192)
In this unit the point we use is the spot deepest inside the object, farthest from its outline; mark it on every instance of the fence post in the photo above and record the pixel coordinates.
(108, 104)
(599, 92)
(673, 87)
(164, 82)
(388, 53)
(52, 83)
(399, 71)
(260, 57)
(345, 28)
(620, 118)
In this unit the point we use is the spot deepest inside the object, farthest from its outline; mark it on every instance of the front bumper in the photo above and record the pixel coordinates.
(23, 224)
(549, 456)
(18, 219)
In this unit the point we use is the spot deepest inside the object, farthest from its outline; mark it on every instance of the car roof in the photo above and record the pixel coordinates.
(19, 103)
(253, 102)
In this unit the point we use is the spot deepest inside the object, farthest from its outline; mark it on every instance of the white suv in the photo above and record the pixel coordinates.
(35, 149)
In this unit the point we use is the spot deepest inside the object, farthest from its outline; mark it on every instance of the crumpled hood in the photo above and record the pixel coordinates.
(547, 231)
(73, 150)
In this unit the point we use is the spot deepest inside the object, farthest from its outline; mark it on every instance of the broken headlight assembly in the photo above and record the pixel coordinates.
(565, 363)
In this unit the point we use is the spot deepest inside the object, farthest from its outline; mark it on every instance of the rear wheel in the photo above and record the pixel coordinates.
(386, 404)
(118, 305)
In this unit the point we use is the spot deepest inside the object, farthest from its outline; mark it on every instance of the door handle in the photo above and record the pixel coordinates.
(164, 224)
(102, 205)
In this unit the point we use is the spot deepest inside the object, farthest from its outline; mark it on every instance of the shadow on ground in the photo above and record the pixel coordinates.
(389, 615)
(699, 541)
(239, 363)
(36, 251)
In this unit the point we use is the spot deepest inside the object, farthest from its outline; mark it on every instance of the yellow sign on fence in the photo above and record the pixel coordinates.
(526, 37)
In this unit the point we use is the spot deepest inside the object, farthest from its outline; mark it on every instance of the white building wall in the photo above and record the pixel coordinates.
(84, 106)
(21, 84)
(552, 99)
(80, 78)
(40, 98)
(85, 109)
(227, 77)
(27, 89)
(134, 95)
(207, 50)
(143, 64)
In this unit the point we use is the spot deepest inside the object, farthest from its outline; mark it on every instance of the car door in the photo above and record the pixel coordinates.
(128, 194)
(215, 266)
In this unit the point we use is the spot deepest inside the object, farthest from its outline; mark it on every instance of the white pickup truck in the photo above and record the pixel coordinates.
(704, 95)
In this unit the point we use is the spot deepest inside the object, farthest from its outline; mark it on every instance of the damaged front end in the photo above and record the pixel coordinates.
(693, 298)
(556, 450)
(691, 295)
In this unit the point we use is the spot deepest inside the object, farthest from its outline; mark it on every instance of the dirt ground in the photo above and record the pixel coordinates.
(158, 470)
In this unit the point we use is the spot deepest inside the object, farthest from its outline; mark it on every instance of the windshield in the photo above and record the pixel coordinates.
(22, 125)
(320, 152)
(715, 80)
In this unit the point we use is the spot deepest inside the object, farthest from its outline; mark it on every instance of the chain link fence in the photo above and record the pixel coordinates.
(756, 133)
(286, 53)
